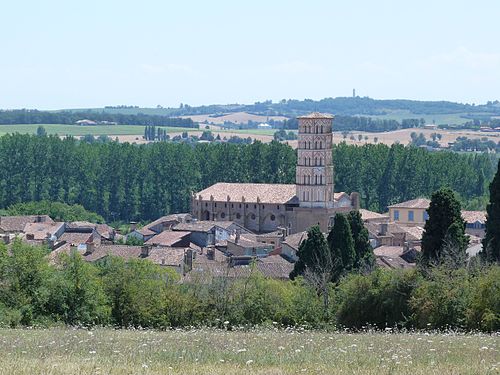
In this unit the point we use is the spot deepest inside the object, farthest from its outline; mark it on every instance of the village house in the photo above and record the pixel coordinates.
(159, 225)
(412, 212)
(16, 224)
(210, 233)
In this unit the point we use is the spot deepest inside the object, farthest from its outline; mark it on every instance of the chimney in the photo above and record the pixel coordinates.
(188, 260)
(211, 253)
(133, 226)
(90, 248)
(383, 229)
(237, 238)
(145, 251)
(6, 239)
(30, 236)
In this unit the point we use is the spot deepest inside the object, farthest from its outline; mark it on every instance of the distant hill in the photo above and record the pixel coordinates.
(397, 109)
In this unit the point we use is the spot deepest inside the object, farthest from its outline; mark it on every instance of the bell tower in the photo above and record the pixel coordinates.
(314, 173)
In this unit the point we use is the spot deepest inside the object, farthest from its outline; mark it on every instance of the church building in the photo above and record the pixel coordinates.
(264, 208)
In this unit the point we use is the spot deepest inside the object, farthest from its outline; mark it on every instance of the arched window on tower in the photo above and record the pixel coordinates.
(304, 180)
(316, 180)
(316, 161)
(321, 179)
(321, 129)
(320, 144)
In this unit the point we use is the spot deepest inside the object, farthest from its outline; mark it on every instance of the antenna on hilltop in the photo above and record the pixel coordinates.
(353, 93)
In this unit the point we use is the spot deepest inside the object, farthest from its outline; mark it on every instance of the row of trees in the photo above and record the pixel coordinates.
(142, 182)
(152, 133)
(386, 175)
(138, 293)
(27, 116)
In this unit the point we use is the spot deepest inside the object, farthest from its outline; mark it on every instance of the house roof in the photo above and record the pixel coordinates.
(76, 238)
(168, 238)
(204, 225)
(474, 216)
(294, 240)
(393, 262)
(104, 230)
(315, 115)
(40, 230)
(239, 192)
(167, 256)
(414, 203)
(17, 223)
(388, 251)
(123, 251)
(371, 215)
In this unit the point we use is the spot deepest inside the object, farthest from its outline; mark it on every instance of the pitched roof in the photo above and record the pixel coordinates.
(203, 225)
(267, 193)
(316, 115)
(294, 240)
(168, 238)
(370, 215)
(167, 256)
(17, 223)
(393, 262)
(76, 238)
(40, 230)
(389, 251)
(414, 203)
(474, 216)
(123, 251)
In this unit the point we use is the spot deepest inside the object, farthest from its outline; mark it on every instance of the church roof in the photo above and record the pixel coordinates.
(316, 115)
(267, 193)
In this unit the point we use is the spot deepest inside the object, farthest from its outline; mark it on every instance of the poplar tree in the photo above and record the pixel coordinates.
(312, 252)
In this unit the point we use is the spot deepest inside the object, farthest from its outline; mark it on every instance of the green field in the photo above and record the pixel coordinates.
(76, 130)
(451, 118)
(263, 351)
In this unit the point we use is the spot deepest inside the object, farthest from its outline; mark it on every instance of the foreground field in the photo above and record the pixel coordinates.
(103, 351)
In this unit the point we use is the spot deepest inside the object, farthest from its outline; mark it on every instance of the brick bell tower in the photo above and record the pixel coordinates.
(314, 173)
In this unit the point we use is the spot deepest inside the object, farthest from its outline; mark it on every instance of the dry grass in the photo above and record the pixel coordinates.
(203, 351)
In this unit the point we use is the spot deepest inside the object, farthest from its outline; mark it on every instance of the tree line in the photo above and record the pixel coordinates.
(27, 116)
(124, 182)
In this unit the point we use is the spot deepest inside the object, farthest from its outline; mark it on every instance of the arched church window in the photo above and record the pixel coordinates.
(273, 217)
(321, 129)
(321, 179)
(238, 216)
(304, 180)
(315, 161)
(320, 144)
(316, 180)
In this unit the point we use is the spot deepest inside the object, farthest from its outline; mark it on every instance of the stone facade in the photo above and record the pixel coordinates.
(264, 208)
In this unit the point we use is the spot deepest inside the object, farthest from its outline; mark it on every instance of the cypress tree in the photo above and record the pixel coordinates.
(311, 252)
(444, 210)
(341, 245)
(364, 252)
(491, 241)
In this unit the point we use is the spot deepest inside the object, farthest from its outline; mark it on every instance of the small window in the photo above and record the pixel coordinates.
(255, 206)
(238, 216)
(222, 215)
(253, 216)
(396, 215)
(246, 205)
(411, 216)
(240, 205)
(263, 207)
(278, 207)
(225, 205)
(215, 204)
(273, 217)
(426, 216)
(232, 205)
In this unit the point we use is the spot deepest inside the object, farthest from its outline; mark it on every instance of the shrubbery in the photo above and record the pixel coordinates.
(139, 293)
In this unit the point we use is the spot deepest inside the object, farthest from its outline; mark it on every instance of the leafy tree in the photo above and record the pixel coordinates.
(41, 132)
(56, 210)
(445, 227)
(491, 241)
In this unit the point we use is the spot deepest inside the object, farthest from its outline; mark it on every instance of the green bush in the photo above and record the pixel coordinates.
(379, 299)
(483, 312)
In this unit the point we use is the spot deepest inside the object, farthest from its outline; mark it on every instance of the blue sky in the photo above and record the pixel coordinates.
(71, 54)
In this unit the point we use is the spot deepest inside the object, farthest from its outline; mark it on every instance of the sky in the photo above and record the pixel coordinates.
(93, 53)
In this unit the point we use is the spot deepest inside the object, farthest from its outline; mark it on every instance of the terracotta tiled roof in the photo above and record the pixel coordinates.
(389, 251)
(393, 262)
(204, 226)
(168, 238)
(294, 240)
(414, 203)
(40, 230)
(316, 115)
(76, 238)
(17, 223)
(123, 251)
(340, 195)
(370, 215)
(167, 256)
(267, 193)
(474, 216)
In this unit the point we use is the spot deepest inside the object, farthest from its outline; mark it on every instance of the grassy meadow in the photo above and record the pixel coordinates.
(263, 351)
